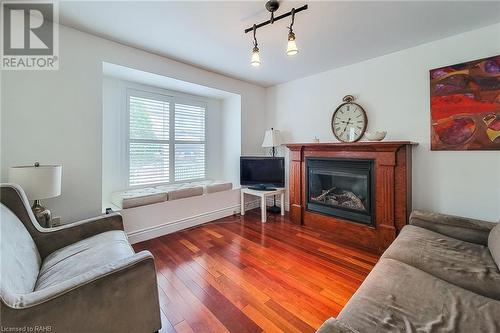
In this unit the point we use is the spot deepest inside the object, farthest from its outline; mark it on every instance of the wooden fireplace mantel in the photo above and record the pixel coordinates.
(392, 172)
(354, 146)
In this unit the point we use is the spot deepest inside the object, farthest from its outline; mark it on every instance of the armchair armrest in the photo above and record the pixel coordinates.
(466, 229)
(333, 325)
(124, 289)
(52, 239)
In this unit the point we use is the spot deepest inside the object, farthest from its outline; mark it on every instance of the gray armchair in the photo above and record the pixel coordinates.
(79, 277)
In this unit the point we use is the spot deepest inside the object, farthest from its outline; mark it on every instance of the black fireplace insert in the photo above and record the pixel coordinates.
(342, 188)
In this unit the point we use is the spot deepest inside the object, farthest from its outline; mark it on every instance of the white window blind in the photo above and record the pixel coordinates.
(166, 139)
(189, 142)
(149, 146)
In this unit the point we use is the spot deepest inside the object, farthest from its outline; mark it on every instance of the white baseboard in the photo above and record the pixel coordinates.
(171, 227)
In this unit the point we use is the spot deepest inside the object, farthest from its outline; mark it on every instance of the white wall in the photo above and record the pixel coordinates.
(114, 174)
(214, 139)
(394, 90)
(56, 116)
(230, 140)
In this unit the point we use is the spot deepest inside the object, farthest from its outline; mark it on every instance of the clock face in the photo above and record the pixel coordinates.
(349, 122)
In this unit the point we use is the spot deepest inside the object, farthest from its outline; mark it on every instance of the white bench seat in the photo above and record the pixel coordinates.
(151, 195)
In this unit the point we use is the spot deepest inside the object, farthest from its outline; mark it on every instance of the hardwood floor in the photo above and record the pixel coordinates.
(239, 275)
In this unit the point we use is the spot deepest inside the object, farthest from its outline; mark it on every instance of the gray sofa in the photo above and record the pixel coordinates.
(80, 277)
(441, 274)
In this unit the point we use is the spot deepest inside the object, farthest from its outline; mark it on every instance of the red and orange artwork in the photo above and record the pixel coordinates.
(465, 106)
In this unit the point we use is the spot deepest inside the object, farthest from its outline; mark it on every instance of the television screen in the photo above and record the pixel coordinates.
(262, 171)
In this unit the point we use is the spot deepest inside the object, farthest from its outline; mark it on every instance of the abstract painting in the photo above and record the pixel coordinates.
(465, 106)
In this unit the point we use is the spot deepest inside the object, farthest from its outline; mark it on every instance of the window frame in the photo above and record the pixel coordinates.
(172, 98)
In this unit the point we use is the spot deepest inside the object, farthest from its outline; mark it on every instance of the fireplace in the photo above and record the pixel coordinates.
(358, 193)
(341, 188)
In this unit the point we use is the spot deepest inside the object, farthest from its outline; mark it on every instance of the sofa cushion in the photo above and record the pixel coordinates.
(19, 257)
(494, 244)
(463, 228)
(180, 191)
(138, 197)
(464, 264)
(83, 256)
(396, 297)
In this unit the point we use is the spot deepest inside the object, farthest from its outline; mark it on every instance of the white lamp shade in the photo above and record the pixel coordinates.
(272, 138)
(255, 59)
(291, 48)
(40, 182)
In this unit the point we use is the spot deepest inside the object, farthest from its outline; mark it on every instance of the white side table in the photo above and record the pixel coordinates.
(263, 195)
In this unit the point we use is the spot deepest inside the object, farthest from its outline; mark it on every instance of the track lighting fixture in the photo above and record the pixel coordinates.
(255, 52)
(291, 49)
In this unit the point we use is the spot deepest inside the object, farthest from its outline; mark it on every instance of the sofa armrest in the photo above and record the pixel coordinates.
(118, 297)
(333, 325)
(52, 239)
(466, 229)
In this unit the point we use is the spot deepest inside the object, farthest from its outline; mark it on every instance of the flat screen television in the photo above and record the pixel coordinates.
(262, 172)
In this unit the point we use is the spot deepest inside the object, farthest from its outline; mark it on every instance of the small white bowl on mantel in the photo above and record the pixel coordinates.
(375, 136)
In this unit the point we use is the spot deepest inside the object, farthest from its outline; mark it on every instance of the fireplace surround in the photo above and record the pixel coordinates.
(364, 200)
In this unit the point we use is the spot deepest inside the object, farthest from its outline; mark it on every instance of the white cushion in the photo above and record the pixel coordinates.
(138, 197)
(212, 186)
(180, 191)
(218, 186)
(151, 195)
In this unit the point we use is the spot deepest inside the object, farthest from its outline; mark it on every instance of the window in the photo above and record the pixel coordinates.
(166, 139)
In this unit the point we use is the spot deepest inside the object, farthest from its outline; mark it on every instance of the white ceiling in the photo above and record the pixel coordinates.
(330, 34)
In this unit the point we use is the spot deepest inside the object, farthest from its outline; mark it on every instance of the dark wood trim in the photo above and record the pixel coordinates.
(392, 170)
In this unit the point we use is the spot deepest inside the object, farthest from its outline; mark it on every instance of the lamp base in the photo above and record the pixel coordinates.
(42, 214)
(274, 209)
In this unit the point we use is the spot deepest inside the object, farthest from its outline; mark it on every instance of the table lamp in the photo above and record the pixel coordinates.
(38, 182)
(272, 139)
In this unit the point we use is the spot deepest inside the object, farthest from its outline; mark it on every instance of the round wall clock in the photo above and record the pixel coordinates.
(349, 121)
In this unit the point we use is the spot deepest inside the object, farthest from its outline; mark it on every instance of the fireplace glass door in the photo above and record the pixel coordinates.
(341, 188)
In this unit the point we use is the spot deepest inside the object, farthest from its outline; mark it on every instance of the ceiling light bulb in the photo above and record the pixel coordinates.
(291, 48)
(255, 57)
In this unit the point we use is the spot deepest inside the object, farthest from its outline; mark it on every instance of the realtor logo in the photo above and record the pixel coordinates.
(29, 35)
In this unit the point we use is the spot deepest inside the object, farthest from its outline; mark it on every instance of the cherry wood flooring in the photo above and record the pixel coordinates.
(240, 275)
